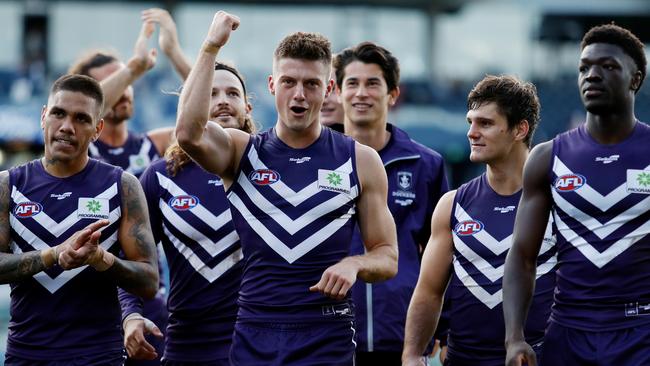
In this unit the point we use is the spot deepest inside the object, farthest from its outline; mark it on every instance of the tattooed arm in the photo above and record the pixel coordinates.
(137, 274)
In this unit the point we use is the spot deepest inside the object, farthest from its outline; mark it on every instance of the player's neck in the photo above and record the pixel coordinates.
(609, 129)
(64, 169)
(114, 134)
(374, 135)
(298, 139)
(505, 176)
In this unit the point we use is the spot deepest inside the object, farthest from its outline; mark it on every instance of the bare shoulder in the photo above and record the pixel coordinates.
(538, 164)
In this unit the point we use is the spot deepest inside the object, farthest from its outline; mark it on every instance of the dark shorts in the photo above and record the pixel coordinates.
(456, 359)
(569, 346)
(104, 359)
(224, 362)
(285, 344)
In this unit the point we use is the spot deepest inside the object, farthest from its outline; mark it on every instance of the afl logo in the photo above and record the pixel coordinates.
(569, 182)
(469, 227)
(27, 209)
(263, 177)
(183, 203)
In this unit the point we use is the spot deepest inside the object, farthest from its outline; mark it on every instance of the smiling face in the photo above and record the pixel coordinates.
(300, 87)
(489, 137)
(228, 106)
(332, 110)
(365, 94)
(607, 78)
(69, 123)
(123, 109)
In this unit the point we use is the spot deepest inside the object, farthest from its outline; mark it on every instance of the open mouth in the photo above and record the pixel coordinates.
(298, 110)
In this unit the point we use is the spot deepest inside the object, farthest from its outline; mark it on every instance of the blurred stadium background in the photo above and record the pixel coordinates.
(444, 47)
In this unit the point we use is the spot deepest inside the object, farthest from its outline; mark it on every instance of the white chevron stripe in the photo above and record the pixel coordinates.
(289, 254)
(605, 202)
(293, 197)
(206, 243)
(210, 274)
(52, 226)
(53, 284)
(593, 225)
(481, 264)
(215, 222)
(293, 226)
(497, 247)
(594, 256)
(495, 299)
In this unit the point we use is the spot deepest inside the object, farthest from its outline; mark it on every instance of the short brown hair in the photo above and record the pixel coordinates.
(91, 60)
(305, 46)
(369, 53)
(516, 99)
(80, 84)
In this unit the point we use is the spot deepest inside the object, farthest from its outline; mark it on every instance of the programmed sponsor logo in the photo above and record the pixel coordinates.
(264, 177)
(468, 227)
(638, 181)
(27, 209)
(569, 182)
(183, 202)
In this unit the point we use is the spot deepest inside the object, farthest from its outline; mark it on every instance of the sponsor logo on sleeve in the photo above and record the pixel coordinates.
(638, 181)
(183, 203)
(569, 182)
(264, 177)
(468, 227)
(92, 208)
(27, 209)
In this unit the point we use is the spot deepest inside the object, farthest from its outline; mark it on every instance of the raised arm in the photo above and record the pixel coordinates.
(168, 39)
(426, 303)
(215, 149)
(520, 266)
(138, 273)
(377, 228)
(141, 61)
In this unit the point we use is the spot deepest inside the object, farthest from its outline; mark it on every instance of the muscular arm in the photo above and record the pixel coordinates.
(138, 273)
(168, 39)
(377, 231)
(217, 150)
(520, 266)
(426, 303)
(14, 267)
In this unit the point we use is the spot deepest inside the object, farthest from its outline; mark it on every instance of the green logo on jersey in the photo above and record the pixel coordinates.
(643, 179)
(93, 206)
(334, 179)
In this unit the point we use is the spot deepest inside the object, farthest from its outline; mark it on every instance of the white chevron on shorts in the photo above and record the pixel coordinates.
(605, 202)
(293, 197)
(289, 254)
(52, 226)
(594, 256)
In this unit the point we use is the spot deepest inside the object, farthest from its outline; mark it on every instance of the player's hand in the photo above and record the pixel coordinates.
(168, 35)
(222, 25)
(337, 280)
(415, 361)
(143, 58)
(135, 343)
(80, 247)
(520, 354)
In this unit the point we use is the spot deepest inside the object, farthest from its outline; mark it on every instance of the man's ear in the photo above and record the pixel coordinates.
(392, 96)
(271, 85)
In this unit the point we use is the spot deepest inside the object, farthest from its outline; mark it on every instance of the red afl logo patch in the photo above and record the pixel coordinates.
(569, 182)
(263, 177)
(183, 203)
(27, 209)
(468, 227)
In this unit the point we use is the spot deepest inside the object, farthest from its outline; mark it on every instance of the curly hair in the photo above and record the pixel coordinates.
(368, 53)
(176, 158)
(516, 99)
(619, 36)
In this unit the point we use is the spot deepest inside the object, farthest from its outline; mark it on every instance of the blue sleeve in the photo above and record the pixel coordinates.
(438, 186)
